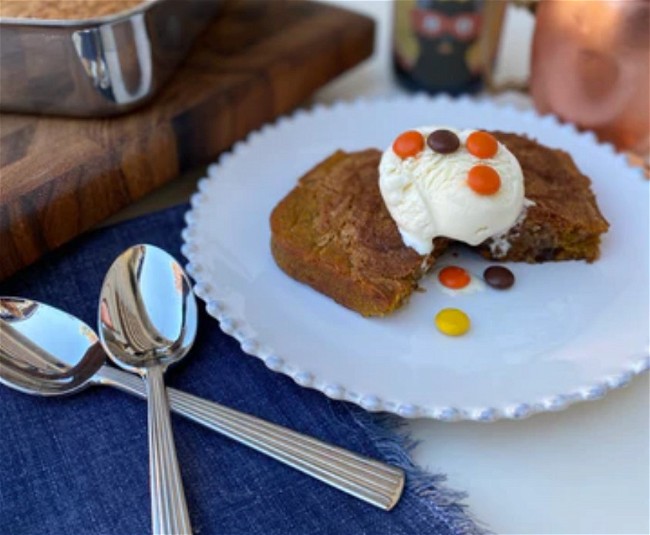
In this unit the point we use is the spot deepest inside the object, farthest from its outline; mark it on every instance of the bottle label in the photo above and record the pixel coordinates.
(440, 44)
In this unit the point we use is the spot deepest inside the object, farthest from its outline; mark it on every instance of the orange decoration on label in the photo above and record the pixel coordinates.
(454, 277)
(481, 144)
(408, 144)
(484, 180)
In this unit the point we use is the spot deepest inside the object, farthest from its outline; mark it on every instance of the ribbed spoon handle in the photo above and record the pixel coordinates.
(169, 514)
(374, 482)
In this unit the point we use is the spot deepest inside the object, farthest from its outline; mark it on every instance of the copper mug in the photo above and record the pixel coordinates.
(591, 66)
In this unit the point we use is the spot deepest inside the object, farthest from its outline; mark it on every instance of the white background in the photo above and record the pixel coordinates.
(581, 471)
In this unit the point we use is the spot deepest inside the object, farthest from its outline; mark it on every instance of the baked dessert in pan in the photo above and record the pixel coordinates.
(65, 9)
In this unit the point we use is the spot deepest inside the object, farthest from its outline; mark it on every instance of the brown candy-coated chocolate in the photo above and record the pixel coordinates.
(443, 141)
(499, 277)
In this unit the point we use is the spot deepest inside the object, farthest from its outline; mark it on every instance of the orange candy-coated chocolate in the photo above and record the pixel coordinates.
(408, 144)
(481, 144)
(484, 180)
(454, 277)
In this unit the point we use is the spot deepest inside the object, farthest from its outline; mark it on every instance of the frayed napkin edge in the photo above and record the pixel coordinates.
(394, 445)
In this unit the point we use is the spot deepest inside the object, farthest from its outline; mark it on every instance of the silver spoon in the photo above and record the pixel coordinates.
(47, 352)
(147, 321)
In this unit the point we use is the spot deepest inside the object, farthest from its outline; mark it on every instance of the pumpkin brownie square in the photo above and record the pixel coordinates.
(334, 233)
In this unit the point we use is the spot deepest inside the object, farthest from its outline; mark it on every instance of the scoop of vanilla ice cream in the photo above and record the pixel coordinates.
(428, 196)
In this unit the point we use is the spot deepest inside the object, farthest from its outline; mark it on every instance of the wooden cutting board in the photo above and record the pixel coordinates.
(258, 60)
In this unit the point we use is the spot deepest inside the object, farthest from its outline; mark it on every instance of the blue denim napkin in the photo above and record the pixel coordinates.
(79, 464)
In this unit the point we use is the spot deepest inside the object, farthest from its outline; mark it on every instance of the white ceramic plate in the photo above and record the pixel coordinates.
(566, 331)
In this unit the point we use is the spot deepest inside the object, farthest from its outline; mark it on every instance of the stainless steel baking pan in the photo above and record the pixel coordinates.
(96, 67)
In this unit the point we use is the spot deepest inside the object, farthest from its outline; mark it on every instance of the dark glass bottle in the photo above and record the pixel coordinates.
(445, 46)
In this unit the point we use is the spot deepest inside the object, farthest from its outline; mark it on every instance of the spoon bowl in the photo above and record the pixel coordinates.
(46, 351)
(147, 313)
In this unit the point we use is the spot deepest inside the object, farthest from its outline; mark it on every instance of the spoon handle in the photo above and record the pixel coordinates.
(169, 514)
(374, 482)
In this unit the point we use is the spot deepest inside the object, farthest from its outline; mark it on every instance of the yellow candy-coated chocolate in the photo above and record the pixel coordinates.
(452, 321)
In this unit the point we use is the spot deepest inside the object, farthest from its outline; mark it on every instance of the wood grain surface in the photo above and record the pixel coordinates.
(258, 60)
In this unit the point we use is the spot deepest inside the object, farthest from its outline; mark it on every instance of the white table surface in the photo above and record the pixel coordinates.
(581, 471)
